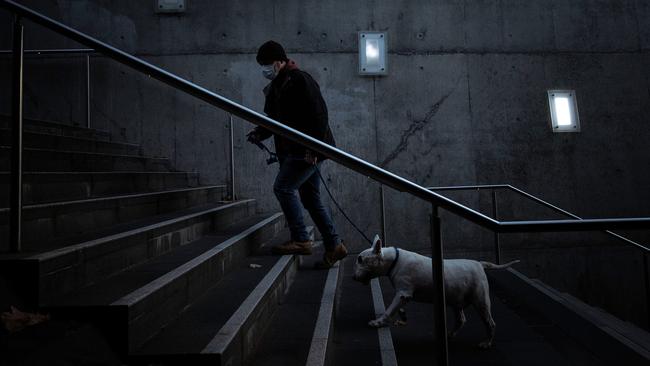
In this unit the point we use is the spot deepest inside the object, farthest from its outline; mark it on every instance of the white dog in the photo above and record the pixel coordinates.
(411, 276)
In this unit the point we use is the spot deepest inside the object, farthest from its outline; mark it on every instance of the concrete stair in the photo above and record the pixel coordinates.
(45, 187)
(352, 341)
(40, 159)
(57, 129)
(54, 220)
(65, 269)
(123, 242)
(228, 321)
(33, 139)
(150, 295)
(303, 321)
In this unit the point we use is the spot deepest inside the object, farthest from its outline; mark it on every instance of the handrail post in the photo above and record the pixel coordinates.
(439, 306)
(232, 158)
(647, 287)
(87, 90)
(16, 204)
(495, 215)
(382, 216)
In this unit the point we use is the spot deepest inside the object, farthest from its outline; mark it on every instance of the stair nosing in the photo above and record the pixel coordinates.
(55, 124)
(98, 172)
(386, 345)
(81, 246)
(87, 153)
(144, 291)
(111, 198)
(229, 331)
(325, 320)
(75, 138)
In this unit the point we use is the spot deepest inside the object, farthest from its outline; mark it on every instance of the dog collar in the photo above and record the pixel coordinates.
(392, 266)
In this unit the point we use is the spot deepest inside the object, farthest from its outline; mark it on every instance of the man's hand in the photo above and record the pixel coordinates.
(310, 157)
(253, 137)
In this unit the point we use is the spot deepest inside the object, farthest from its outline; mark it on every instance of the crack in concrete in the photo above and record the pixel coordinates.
(416, 125)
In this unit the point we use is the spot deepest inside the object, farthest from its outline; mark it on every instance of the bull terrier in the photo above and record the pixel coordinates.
(411, 275)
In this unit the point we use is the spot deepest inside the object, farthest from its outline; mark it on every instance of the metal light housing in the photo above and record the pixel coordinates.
(170, 6)
(372, 53)
(563, 110)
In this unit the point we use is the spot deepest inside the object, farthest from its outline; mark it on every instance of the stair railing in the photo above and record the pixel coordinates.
(86, 52)
(337, 155)
(493, 188)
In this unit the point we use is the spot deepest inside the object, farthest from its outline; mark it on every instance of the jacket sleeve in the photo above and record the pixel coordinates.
(262, 133)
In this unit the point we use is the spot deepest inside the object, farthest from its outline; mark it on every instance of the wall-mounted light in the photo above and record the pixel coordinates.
(564, 111)
(372, 53)
(170, 6)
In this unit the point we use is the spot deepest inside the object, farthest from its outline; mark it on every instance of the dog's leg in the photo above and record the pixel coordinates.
(399, 301)
(401, 317)
(460, 321)
(486, 315)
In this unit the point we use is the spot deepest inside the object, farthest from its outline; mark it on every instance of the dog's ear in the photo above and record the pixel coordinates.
(376, 245)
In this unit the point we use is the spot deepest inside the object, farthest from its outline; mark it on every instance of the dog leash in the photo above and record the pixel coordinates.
(273, 158)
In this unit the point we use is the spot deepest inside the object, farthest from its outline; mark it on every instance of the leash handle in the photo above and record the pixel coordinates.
(273, 157)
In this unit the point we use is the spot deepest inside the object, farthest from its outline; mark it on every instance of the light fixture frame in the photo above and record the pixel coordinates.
(573, 105)
(170, 7)
(382, 67)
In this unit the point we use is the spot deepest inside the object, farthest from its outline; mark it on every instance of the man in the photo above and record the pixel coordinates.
(294, 99)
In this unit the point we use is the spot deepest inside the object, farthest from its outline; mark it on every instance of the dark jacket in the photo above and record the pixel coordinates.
(294, 99)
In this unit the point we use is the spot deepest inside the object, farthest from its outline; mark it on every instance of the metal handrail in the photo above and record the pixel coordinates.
(350, 161)
(537, 200)
(645, 251)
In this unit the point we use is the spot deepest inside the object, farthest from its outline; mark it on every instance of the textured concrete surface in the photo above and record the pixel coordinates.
(464, 101)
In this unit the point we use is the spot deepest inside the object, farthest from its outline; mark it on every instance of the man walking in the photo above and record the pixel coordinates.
(294, 99)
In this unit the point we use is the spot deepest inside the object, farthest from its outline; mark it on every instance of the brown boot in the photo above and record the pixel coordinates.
(331, 257)
(293, 247)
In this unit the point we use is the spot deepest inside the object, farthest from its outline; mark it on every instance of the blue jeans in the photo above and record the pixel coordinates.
(298, 176)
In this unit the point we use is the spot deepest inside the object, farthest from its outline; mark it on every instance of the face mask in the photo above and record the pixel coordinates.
(268, 71)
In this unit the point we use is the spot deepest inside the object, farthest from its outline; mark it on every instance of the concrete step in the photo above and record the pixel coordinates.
(55, 128)
(69, 143)
(43, 187)
(44, 222)
(626, 333)
(227, 323)
(114, 287)
(354, 342)
(154, 293)
(300, 333)
(43, 277)
(522, 336)
(57, 160)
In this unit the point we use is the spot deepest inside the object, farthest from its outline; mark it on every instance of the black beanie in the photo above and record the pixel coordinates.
(270, 51)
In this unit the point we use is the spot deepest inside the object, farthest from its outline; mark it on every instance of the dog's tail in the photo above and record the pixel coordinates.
(488, 265)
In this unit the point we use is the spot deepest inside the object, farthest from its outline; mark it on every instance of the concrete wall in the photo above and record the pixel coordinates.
(464, 103)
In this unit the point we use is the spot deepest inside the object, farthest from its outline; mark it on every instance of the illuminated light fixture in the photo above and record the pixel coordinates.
(564, 110)
(372, 53)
